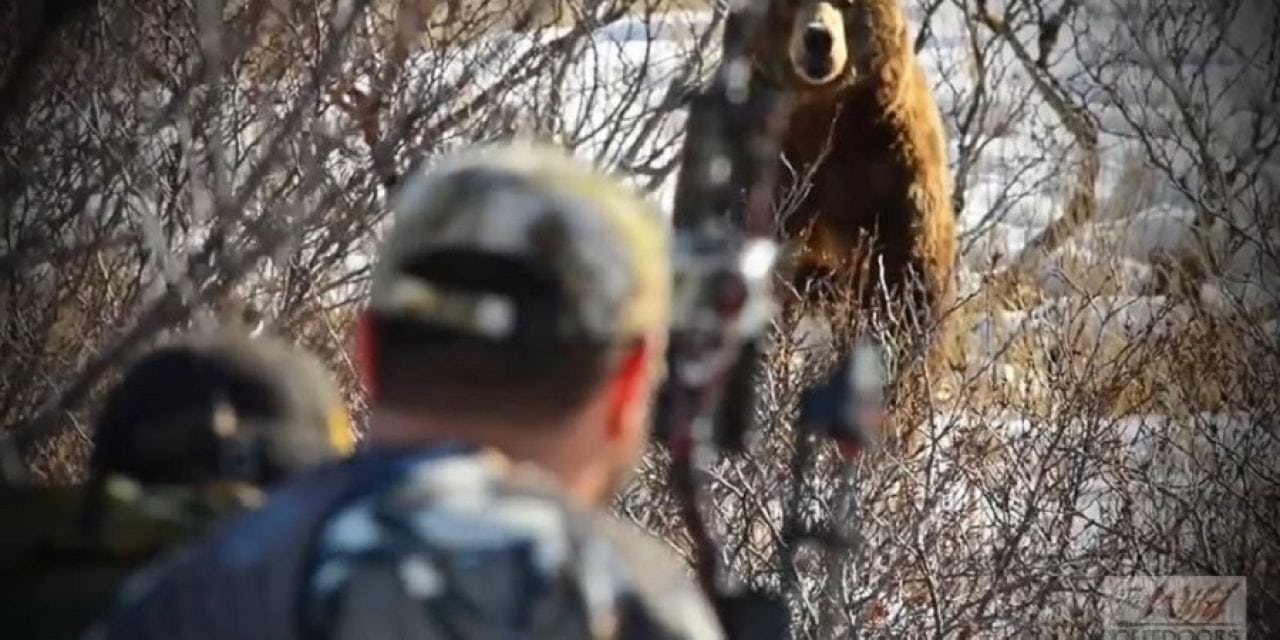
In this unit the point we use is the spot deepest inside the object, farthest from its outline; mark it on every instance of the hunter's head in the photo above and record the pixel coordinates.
(221, 407)
(520, 301)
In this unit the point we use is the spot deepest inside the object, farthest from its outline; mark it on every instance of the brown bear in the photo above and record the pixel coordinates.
(866, 132)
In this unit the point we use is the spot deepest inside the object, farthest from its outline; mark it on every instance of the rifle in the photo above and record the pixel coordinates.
(723, 309)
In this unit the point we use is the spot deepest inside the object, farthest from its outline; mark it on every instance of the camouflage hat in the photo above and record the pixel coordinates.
(603, 245)
(221, 406)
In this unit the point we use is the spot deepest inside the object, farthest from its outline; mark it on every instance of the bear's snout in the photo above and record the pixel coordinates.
(819, 52)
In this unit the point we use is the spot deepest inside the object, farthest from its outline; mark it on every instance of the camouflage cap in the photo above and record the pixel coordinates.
(221, 406)
(603, 244)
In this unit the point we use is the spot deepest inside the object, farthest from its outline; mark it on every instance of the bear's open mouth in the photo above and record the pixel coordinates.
(817, 68)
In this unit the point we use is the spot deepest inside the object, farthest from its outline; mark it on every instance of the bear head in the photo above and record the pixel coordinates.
(817, 46)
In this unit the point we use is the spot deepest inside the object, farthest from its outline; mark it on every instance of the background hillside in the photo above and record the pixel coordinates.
(1110, 408)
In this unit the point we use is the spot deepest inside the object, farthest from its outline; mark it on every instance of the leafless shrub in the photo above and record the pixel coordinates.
(207, 161)
(1097, 421)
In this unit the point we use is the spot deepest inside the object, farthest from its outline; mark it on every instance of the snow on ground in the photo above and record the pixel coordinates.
(1127, 476)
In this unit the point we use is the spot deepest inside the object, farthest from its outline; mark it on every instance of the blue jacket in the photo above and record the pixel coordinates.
(442, 543)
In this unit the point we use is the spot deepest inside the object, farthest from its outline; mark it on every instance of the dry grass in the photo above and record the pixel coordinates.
(1134, 355)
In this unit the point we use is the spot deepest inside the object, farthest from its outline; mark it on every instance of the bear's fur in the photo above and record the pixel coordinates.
(865, 123)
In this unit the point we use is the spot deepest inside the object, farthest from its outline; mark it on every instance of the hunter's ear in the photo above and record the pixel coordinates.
(628, 388)
(366, 354)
